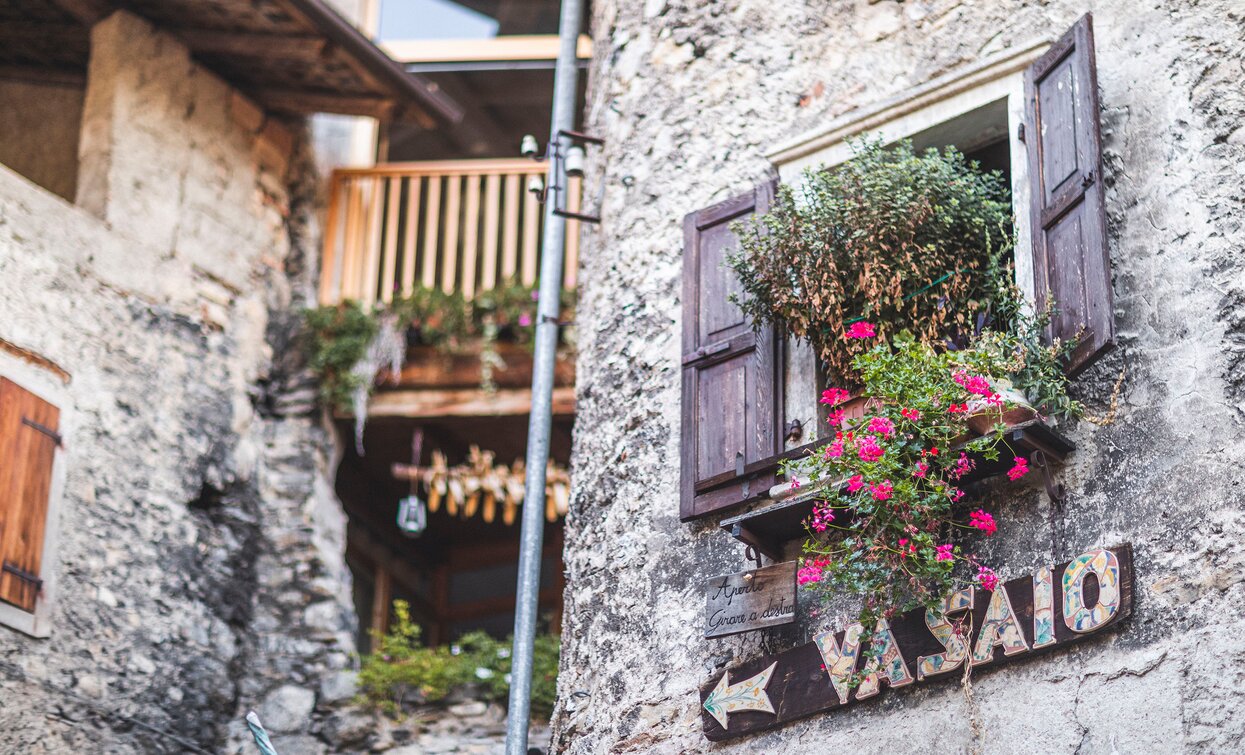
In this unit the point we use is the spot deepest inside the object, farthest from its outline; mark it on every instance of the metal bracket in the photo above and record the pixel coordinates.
(1057, 492)
(752, 554)
(23, 575)
(55, 436)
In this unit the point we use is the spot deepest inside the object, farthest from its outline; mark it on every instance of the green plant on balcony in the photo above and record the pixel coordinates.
(906, 240)
(339, 335)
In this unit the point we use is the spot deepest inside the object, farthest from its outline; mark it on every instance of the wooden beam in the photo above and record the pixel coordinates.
(87, 12)
(241, 44)
(516, 47)
(464, 403)
(305, 102)
(67, 77)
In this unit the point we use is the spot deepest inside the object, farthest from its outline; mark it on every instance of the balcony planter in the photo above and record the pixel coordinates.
(983, 416)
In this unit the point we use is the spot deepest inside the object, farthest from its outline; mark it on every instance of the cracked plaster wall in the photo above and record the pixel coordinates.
(689, 96)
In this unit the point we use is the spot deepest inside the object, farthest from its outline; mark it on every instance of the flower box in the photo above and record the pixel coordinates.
(769, 527)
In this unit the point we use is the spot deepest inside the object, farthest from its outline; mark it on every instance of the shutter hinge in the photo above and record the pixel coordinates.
(1087, 180)
(23, 575)
(1020, 132)
(55, 436)
(739, 463)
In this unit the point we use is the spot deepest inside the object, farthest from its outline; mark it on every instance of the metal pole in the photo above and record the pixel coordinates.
(541, 418)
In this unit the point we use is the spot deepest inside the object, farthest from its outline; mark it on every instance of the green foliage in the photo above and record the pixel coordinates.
(338, 337)
(436, 318)
(402, 673)
(887, 528)
(1034, 367)
(905, 240)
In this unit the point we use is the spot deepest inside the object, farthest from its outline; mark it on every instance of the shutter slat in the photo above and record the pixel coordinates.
(25, 484)
(1071, 262)
(731, 386)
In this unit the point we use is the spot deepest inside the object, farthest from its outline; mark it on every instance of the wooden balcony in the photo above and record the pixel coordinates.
(465, 225)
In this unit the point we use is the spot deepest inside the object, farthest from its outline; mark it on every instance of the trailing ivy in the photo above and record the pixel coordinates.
(403, 673)
(902, 239)
(338, 337)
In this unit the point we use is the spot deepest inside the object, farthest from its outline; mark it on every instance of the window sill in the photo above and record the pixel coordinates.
(24, 622)
(767, 528)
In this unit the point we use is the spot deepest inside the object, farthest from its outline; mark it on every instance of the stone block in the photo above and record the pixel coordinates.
(287, 709)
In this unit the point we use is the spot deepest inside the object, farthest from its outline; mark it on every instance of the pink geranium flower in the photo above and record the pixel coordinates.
(833, 396)
(882, 426)
(1019, 470)
(944, 552)
(823, 515)
(882, 490)
(836, 418)
(860, 330)
(987, 578)
(810, 572)
(834, 450)
(921, 469)
(983, 521)
(869, 450)
(855, 483)
(911, 414)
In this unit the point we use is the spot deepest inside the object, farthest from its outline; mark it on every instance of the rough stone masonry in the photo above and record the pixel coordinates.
(200, 558)
(689, 97)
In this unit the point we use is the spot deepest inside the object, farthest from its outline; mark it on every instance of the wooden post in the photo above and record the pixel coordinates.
(381, 599)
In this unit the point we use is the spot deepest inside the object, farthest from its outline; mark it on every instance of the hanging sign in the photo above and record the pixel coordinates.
(750, 600)
(1054, 607)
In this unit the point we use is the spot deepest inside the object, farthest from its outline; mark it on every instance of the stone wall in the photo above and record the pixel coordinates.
(689, 97)
(200, 568)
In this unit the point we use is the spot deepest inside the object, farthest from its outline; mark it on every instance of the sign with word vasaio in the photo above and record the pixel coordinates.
(750, 600)
(1056, 606)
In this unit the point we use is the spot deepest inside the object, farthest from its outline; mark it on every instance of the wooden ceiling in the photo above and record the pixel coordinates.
(296, 56)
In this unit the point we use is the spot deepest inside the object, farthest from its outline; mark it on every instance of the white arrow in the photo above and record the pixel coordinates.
(746, 695)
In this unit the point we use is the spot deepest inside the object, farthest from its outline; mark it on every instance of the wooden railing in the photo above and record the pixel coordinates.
(465, 226)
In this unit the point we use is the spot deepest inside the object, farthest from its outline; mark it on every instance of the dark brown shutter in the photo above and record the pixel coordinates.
(731, 383)
(1071, 263)
(28, 441)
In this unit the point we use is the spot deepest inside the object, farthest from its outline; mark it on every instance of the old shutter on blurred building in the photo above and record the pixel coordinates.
(1071, 264)
(731, 380)
(28, 441)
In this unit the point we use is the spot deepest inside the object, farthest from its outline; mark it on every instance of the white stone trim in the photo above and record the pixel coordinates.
(51, 388)
(910, 111)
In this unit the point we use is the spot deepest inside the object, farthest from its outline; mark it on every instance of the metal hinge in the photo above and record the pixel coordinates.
(1020, 132)
(23, 575)
(55, 436)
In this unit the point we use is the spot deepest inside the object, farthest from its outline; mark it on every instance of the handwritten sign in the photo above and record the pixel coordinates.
(750, 600)
(1056, 606)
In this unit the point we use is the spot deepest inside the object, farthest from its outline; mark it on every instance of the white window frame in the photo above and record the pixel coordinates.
(945, 98)
(52, 388)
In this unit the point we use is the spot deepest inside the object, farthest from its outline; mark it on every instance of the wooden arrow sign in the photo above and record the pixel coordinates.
(746, 695)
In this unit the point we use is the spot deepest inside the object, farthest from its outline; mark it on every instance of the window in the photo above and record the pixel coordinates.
(31, 423)
(1033, 114)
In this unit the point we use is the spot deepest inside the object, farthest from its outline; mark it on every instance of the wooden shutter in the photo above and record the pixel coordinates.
(1071, 263)
(28, 442)
(731, 383)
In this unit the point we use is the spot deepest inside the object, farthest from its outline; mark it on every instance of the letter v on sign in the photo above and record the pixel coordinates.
(749, 694)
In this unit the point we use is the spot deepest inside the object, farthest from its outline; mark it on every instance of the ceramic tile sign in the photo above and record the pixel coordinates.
(1055, 606)
(750, 600)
